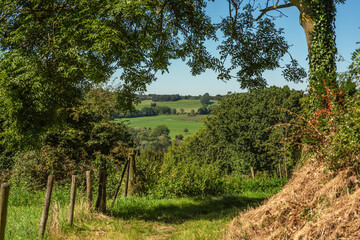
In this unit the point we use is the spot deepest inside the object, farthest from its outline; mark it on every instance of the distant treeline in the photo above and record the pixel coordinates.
(173, 97)
(148, 111)
(166, 98)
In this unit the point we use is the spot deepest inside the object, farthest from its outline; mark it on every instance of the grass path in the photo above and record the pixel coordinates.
(173, 219)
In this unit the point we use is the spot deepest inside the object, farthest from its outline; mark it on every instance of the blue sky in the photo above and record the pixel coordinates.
(180, 81)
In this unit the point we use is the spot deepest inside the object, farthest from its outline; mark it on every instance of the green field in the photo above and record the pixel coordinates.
(187, 105)
(176, 123)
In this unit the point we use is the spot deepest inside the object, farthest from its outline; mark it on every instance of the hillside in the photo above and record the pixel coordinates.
(314, 204)
(176, 123)
(185, 104)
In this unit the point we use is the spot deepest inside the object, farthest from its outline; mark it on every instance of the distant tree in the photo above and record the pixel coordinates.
(205, 99)
(153, 105)
(192, 112)
(203, 110)
(182, 110)
(166, 98)
(173, 111)
(186, 130)
(179, 137)
(160, 130)
(162, 110)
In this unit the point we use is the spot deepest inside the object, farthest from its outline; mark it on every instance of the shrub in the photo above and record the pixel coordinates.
(237, 184)
(332, 132)
(188, 178)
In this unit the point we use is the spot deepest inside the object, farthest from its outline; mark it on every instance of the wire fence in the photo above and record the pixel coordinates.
(28, 209)
(35, 203)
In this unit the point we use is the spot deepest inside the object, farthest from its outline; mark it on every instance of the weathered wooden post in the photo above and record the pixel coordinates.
(131, 173)
(252, 172)
(5, 189)
(45, 213)
(127, 178)
(88, 190)
(72, 199)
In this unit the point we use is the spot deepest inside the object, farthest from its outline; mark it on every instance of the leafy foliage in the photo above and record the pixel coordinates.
(333, 133)
(50, 52)
(89, 140)
(241, 133)
(323, 48)
(205, 99)
(253, 46)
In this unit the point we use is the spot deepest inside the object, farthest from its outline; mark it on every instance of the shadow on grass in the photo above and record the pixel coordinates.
(178, 211)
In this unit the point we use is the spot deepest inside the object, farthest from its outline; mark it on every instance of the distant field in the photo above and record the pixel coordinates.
(176, 123)
(187, 105)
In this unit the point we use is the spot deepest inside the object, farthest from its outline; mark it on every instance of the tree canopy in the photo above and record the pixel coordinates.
(245, 130)
(52, 51)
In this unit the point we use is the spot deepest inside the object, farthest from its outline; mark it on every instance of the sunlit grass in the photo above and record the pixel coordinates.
(132, 218)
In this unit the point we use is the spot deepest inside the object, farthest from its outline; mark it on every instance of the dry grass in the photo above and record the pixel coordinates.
(312, 205)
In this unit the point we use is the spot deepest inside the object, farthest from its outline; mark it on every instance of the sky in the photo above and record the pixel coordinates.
(180, 81)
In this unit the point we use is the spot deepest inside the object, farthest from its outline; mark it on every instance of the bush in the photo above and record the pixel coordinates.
(179, 137)
(32, 168)
(188, 178)
(148, 166)
(237, 184)
(333, 132)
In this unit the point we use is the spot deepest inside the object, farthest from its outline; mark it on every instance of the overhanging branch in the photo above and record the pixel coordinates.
(275, 7)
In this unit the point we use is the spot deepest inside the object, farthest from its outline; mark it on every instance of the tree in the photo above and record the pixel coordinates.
(205, 99)
(245, 130)
(247, 36)
(203, 110)
(51, 51)
(159, 131)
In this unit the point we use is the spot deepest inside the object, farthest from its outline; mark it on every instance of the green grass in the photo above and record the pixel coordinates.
(25, 209)
(177, 219)
(176, 123)
(131, 218)
(187, 105)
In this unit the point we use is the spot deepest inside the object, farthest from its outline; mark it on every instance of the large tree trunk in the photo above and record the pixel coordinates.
(317, 18)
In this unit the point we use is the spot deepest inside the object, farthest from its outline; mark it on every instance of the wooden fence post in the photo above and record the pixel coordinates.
(5, 189)
(72, 199)
(127, 178)
(45, 213)
(132, 174)
(88, 190)
(252, 172)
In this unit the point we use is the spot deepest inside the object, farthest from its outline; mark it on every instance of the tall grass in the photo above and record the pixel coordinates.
(25, 210)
